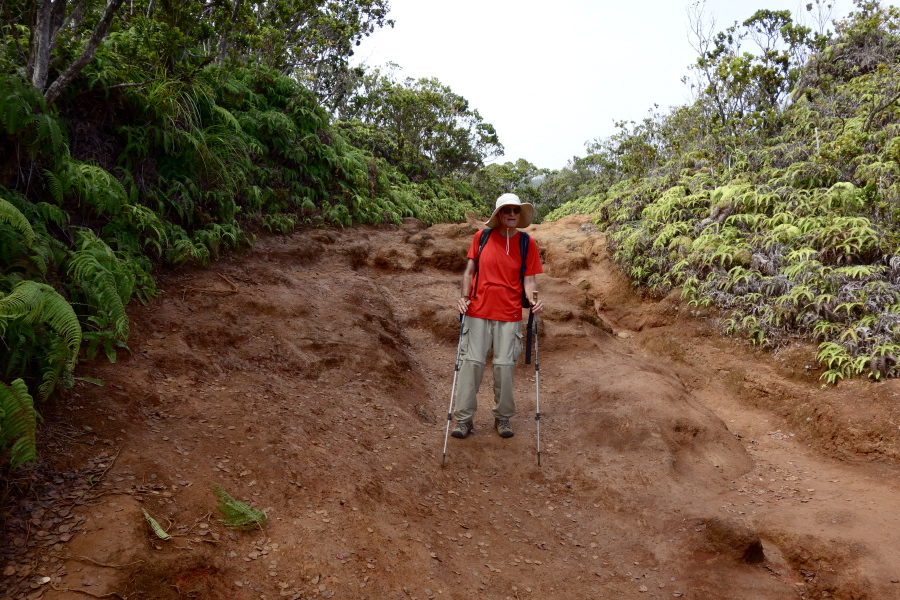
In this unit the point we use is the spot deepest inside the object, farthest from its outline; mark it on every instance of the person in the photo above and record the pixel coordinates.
(491, 300)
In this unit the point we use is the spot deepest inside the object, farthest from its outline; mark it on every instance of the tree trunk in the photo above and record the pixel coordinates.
(87, 54)
(222, 47)
(48, 17)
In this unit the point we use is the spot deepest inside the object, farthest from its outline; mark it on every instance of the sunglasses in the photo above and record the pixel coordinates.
(511, 209)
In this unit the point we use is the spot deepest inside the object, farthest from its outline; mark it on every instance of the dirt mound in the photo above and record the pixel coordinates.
(311, 379)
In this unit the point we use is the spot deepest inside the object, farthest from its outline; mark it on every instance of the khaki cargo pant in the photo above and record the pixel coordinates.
(479, 337)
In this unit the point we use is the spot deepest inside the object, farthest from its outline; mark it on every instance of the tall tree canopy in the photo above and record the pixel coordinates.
(419, 125)
(312, 40)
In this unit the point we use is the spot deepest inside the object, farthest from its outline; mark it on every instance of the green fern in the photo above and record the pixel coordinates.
(106, 279)
(14, 218)
(18, 423)
(56, 186)
(33, 303)
(155, 526)
(237, 514)
(279, 222)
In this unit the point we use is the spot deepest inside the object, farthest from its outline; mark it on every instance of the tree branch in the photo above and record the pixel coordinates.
(222, 46)
(875, 111)
(132, 84)
(87, 54)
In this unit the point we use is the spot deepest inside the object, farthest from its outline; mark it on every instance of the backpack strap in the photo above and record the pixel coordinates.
(523, 250)
(485, 234)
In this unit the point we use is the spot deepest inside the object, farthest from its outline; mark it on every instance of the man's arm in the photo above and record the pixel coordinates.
(530, 291)
(465, 287)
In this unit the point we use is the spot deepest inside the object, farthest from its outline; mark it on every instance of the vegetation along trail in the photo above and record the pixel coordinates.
(310, 378)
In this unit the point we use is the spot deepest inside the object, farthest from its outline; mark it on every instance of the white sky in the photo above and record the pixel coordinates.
(552, 75)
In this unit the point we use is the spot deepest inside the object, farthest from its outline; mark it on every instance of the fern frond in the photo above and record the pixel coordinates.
(14, 218)
(16, 104)
(55, 185)
(49, 213)
(18, 422)
(105, 278)
(237, 514)
(56, 360)
(157, 529)
(226, 116)
(94, 185)
(35, 302)
(49, 129)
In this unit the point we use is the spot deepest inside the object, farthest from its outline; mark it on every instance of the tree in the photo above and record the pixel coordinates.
(312, 40)
(521, 178)
(746, 89)
(425, 129)
(51, 21)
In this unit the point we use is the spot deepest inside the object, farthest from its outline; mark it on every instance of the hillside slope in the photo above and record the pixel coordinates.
(311, 378)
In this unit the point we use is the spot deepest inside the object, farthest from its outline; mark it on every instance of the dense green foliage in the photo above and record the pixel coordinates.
(418, 126)
(522, 178)
(784, 215)
(156, 133)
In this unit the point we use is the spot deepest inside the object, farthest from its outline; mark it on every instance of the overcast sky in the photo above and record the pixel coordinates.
(552, 75)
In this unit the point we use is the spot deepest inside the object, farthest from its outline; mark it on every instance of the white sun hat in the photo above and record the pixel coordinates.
(525, 217)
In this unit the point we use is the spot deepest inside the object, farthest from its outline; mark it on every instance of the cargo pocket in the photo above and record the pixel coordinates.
(519, 346)
(464, 343)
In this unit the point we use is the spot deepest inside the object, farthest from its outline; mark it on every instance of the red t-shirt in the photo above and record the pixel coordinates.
(497, 291)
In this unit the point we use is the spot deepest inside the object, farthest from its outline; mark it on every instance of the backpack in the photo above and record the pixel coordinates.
(523, 250)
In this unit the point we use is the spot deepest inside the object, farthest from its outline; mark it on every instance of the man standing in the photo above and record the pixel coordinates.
(494, 288)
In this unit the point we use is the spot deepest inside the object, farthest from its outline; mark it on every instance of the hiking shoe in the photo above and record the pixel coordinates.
(462, 429)
(503, 428)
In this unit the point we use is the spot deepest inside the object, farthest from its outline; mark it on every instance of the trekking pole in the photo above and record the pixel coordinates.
(453, 387)
(537, 386)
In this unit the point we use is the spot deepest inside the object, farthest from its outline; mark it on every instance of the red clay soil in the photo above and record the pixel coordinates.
(311, 376)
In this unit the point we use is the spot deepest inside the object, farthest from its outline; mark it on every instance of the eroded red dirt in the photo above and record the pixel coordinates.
(311, 378)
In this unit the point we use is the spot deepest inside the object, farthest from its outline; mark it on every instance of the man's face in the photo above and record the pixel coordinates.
(509, 216)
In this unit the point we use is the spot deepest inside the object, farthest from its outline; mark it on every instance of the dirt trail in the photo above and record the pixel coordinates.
(311, 378)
